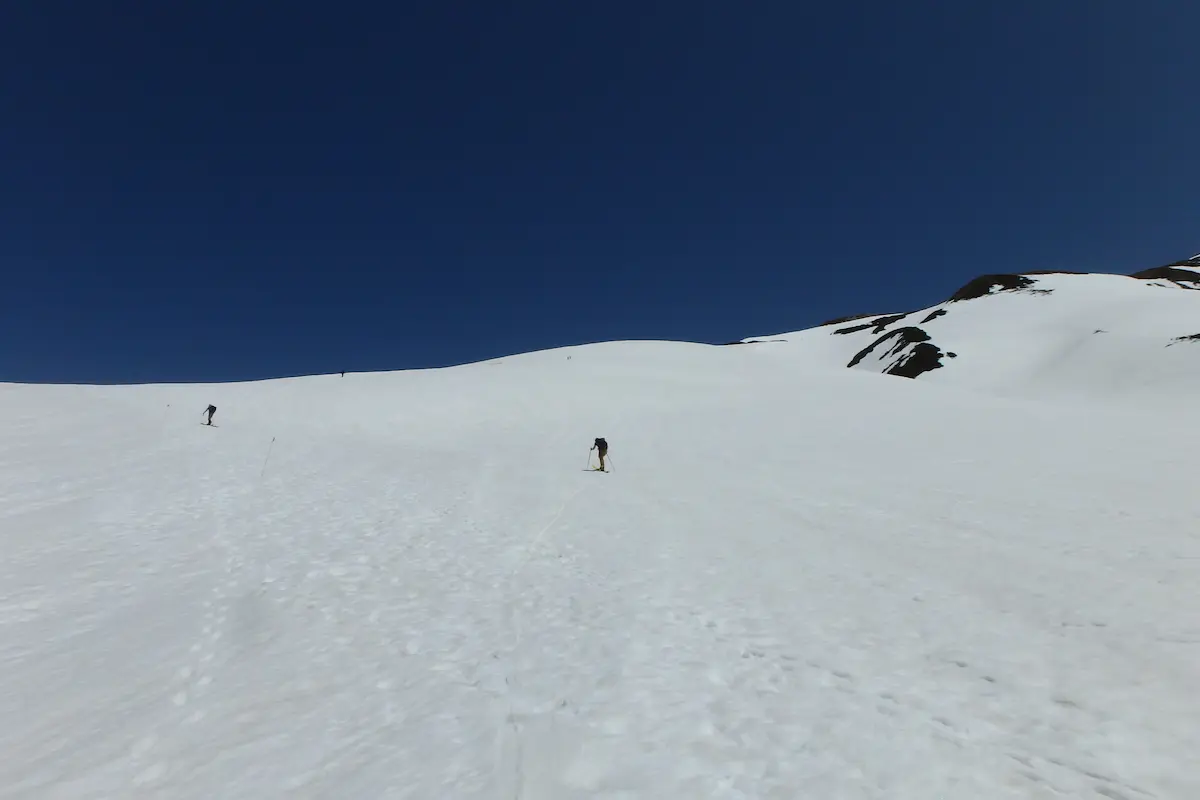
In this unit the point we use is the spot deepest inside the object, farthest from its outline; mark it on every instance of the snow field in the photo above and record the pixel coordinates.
(795, 582)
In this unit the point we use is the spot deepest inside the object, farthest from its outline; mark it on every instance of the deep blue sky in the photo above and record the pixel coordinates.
(229, 190)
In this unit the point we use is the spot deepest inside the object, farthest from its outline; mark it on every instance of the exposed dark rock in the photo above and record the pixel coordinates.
(952, 355)
(923, 357)
(1177, 276)
(1054, 272)
(854, 328)
(918, 335)
(1195, 337)
(758, 341)
(840, 320)
(879, 324)
(940, 312)
(984, 284)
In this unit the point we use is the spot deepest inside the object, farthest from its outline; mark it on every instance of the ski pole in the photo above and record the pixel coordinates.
(589, 463)
(268, 458)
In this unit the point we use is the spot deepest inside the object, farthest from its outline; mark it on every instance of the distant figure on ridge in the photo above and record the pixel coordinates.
(210, 411)
(602, 446)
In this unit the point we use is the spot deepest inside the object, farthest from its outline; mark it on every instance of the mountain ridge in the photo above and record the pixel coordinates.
(1026, 323)
(1172, 271)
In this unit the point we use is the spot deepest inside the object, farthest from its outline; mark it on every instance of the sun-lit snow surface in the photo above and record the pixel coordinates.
(797, 582)
(1092, 337)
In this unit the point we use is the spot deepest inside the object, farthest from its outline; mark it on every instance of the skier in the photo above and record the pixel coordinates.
(210, 411)
(602, 446)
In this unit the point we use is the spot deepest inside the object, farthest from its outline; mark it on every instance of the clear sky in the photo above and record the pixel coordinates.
(231, 190)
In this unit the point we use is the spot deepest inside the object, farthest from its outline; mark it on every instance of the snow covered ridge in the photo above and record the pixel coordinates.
(1090, 332)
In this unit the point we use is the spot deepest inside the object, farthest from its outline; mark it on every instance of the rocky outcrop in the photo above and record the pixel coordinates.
(1183, 278)
(911, 349)
(894, 345)
(879, 324)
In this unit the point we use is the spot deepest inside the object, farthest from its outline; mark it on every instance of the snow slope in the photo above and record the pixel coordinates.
(1078, 337)
(796, 582)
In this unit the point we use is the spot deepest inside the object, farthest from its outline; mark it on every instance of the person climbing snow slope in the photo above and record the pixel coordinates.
(210, 411)
(601, 446)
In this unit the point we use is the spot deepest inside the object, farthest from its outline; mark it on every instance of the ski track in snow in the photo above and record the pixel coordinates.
(741, 609)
